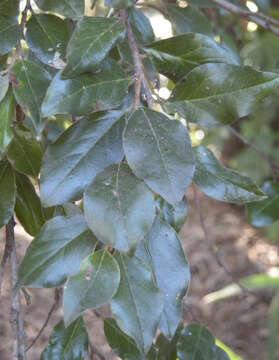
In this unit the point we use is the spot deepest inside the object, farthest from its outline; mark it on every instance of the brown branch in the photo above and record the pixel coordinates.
(6, 255)
(95, 351)
(259, 18)
(57, 297)
(16, 316)
(94, 2)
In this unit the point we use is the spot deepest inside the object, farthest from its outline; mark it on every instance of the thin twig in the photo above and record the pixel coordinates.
(24, 16)
(259, 18)
(95, 351)
(6, 255)
(93, 4)
(57, 296)
(16, 316)
(27, 296)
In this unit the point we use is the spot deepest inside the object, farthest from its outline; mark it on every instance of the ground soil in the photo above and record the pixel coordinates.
(240, 321)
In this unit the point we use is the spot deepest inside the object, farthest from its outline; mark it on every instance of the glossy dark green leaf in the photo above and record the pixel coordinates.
(265, 212)
(9, 8)
(141, 26)
(57, 252)
(158, 150)
(7, 192)
(86, 148)
(167, 349)
(138, 303)
(177, 56)
(68, 8)
(222, 183)
(7, 113)
(163, 252)
(121, 344)
(9, 34)
(119, 4)
(188, 19)
(4, 85)
(30, 85)
(93, 286)
(119, 208)
(220, 93)
(80, 96)
(25, 153)
(221, 354)
(47, 36)
(175, 215)
(202, 3)
(91, 42)
(67, 343)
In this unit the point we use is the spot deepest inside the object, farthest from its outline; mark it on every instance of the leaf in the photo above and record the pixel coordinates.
(175, 215)
(93, 286)
(231, 354)
(28, 207)
(9, 34)
(4, 86)
(222, 183)
(177, 56)
(273, 328)
(121, 344)
(162, 251)
(90, 43)
(221, 354)
(167, 349)
(119, 208)
(47, 36)
(7, 192)
(189, 19)
(25, 154)
(138, 303)
(31, 83)
(202, 3)
(119, 4)
(7, 113)
(141, 26)
(87, 93)
(86, 148)
(220, 93)
(69, 8)
(67, 343)
(265, 212)
(158, 150)
(56, 253)
(9, 9)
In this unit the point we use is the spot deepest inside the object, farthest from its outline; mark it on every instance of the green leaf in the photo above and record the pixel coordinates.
(222, 183)
(4, 86)
(80, 96)
(138, 303)
(47, 36)
(220, 93)
(177, 56)
(67, 343)
(86, 148)
(167, 349)
(273, 328)
(28, 206)
(231, 354)
(141, 26)
(9, 34)
(265, 212)
(162, 251)
(56, 253)
(93, 286)
(90, 43)
(119, 208)
(68, 8)
(202, 3)
(189, 19)
(7, 113)
(158, 151)
(121, 344)
(9, 9)
(119, 4)
(25, 153)
(31, 83)
(7, 192)
(175, 215)
(221, 354)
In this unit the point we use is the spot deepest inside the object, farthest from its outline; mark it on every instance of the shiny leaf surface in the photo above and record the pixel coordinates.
(119, 208)
(222, 183)
(220, 93)
(9, 34)
(86, 93)
(69, 8)
(67, 343)
(175, 215)
(138, 303)
(177, 56)
(86, 148)
(7, 114)
(158, 151)
(47, 36)
(90, 43)
(7, 192)
(163, 252)
(141, 26)
(56, 252)
(93, 286)
(4, 85)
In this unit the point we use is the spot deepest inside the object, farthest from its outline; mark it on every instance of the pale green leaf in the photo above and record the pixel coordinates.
(7, 114)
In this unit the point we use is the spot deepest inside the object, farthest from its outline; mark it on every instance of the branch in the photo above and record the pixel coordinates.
(6, 255)
(259, 18)
(16, 316)
(94, 350)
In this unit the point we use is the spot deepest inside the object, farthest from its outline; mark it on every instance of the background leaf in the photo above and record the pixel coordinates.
(9, 34)
(9, 8)
(7, 192)
(68, 8)
(7, 114)
(4, 85)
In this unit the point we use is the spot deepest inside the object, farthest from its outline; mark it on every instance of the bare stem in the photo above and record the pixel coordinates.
(95, 351)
